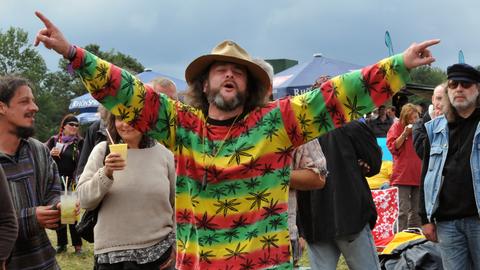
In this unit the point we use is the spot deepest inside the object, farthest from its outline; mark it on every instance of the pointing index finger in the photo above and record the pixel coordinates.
(44, 19)
(428, 43)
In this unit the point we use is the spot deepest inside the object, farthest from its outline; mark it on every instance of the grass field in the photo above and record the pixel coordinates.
(69, 261)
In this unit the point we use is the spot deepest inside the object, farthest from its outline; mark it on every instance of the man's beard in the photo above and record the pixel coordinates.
(215, 97)
(24, 132)
(469, 101)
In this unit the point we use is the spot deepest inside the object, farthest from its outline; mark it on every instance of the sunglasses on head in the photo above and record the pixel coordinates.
(72, 124)
(452, 84)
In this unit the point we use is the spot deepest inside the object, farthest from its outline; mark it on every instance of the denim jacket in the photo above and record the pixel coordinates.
(437, 130)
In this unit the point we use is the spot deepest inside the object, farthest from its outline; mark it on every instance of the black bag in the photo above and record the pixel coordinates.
(89, 219)
(87, 223)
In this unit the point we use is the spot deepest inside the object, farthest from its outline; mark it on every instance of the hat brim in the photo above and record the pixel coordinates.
(198, 66)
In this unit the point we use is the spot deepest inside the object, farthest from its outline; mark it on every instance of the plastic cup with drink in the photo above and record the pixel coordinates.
(119, 148)
(68, 202)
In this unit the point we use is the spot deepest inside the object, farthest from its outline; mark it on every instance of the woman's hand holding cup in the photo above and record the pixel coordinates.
(114, 162)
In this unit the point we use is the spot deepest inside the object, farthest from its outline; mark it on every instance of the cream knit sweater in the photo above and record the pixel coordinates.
(137, 208)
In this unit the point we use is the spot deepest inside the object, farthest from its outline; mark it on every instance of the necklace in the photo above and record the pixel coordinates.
(216, 151)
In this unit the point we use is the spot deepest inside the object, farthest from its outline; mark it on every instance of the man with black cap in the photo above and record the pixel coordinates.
(233, 150)
(450, 187)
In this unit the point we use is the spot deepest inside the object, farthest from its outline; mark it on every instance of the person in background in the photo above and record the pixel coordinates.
(381, 124)
(435, 109)
(8, 221)
(32, 177)
(339, 218)
(65, 148)
(392, 113)
(141, 189)
(95, 134)
(165, 86)
(450, 190)
(406, 167)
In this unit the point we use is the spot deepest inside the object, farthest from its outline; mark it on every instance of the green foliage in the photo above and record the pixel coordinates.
(426, 75)
(18, 56)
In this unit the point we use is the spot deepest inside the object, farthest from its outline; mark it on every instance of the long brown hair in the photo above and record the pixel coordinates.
(195, 96)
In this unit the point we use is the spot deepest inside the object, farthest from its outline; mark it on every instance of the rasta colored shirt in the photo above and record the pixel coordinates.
(233, 178)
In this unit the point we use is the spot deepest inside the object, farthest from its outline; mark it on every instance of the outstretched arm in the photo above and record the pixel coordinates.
(349, 96)
(119, 91)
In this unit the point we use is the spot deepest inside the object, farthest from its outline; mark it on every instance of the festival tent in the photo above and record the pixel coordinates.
(86, 108)
(299, 78)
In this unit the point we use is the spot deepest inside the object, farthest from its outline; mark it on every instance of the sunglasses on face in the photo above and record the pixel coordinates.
(454, 84)
(73, 124)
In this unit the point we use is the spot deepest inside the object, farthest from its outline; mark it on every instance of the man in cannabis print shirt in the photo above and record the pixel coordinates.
(233, 151)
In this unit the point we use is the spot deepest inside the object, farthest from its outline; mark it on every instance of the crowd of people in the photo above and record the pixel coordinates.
(229, 179)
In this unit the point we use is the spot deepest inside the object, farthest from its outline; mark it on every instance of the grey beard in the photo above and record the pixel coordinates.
(223, 105)
(24, 132)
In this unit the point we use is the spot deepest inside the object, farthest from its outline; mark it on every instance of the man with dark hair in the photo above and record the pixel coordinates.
(32, 177)
(232, 149)
(381, 124)
(8, 221)
(450, 190)
(392, 113)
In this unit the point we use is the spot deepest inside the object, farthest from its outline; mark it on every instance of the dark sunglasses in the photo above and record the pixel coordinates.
(73, 124)
(454, 84)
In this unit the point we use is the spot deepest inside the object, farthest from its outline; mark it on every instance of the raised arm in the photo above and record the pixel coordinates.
(349, 96)
(118, 90)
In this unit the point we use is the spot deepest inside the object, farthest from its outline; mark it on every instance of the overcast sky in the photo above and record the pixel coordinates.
(167, 35)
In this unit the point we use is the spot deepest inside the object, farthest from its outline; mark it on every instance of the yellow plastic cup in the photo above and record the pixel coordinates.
(67, 208)
(119, 148)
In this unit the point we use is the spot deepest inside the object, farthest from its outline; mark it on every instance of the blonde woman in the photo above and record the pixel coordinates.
(406, 166)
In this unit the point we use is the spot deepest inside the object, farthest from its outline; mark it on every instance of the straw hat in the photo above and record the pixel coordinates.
(227, 51)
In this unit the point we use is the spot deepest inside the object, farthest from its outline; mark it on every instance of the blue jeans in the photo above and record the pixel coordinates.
(358, 250)
(459, 242)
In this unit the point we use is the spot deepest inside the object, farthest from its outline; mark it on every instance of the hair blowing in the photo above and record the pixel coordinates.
(197, 98)
(8, 86)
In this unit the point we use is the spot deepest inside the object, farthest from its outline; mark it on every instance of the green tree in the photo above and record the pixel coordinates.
(18, 56)
(431, 76)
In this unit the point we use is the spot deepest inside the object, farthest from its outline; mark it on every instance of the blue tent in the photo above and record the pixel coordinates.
(299, 78)
(148, 75)
(86, 108)
(84, 103)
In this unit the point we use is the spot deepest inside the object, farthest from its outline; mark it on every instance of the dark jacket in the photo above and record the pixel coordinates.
(419, 134)
(345, 205)
(96, 133)
(67, 162)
